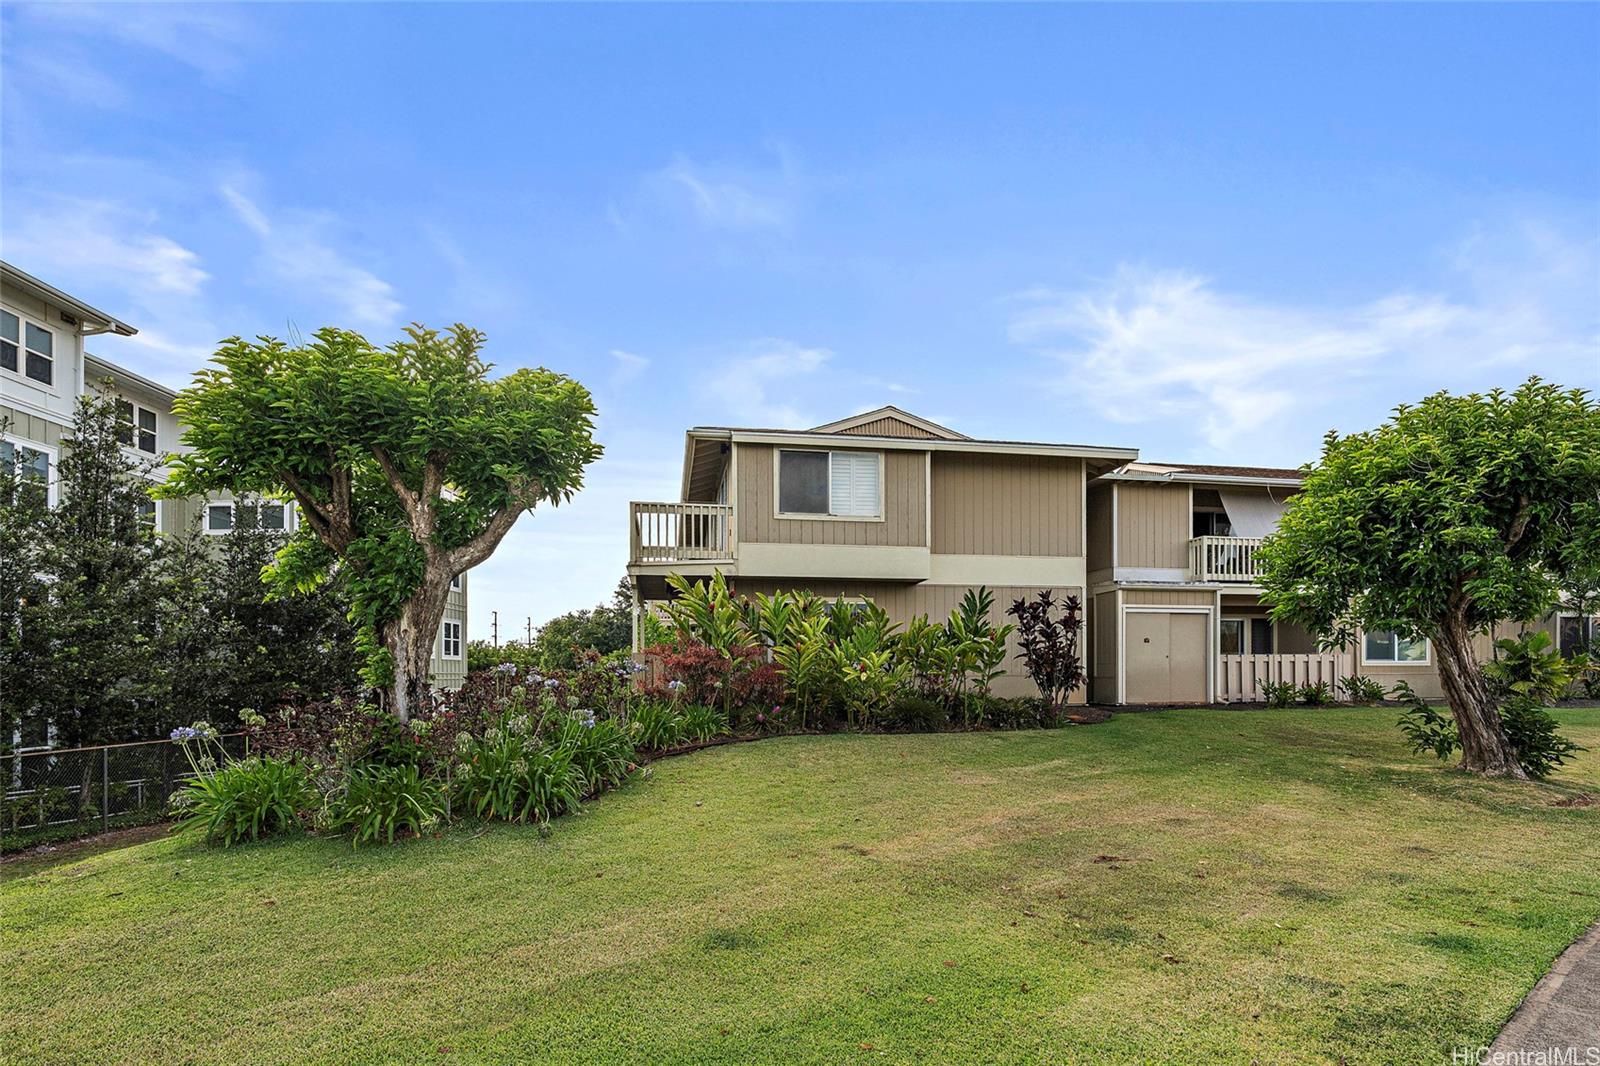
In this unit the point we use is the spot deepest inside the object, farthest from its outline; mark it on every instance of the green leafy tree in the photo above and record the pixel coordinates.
(27, 634)
(606, 628)
(1457, 513)
(408, 463)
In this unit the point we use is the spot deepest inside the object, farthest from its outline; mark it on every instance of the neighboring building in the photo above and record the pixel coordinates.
(884, 506)
(44, 369)
(889, 507)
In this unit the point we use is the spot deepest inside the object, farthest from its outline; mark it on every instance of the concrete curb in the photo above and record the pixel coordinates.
(1563, 1010)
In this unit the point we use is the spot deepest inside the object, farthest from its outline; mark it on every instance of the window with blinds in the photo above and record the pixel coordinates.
(841, 484)
(854, 483)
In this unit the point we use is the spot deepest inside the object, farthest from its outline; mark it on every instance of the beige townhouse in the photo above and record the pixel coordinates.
(884, 506)
(45, 367)
(893, 508)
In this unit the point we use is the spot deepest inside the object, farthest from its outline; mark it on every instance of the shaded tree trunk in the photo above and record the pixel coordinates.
(410, 639)
(1485, 748)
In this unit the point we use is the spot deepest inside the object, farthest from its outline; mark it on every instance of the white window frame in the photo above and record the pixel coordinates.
(444, 639)
(52, 455)
(777, 486)
(155, 433)
(1593, 625)
(233, 509)
(23, 322)
(1426, 660)
(455, 582)
(17, 344)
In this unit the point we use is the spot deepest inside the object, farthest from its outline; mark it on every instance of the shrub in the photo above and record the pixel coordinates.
(1360, 689)
(1318, 695)
(1532, 731)
(702, 722)
(1050, 645)
(1278, 693)
(510, 773)
(377, 800)
(1428, 729)
(655, 725)
(1022, 712)
(601, 750)
(916, 713)
(246, 800)
(699, 673)
(1530, 666)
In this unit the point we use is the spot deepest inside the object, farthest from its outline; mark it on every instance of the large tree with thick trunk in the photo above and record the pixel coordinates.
(1456, 514)
(408, 465)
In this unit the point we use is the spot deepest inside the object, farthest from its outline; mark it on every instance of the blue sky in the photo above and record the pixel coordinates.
(1210, 232)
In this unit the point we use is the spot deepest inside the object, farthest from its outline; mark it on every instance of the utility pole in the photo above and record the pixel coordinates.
(494, 627)
(530, 631)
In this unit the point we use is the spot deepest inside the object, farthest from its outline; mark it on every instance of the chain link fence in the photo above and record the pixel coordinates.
(63, 793)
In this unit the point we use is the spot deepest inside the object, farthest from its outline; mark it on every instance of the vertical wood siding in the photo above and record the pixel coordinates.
(31, 427)
(1153, 525)
(1168, 597)
(905, 522)
(889, 427)
(1007, 504)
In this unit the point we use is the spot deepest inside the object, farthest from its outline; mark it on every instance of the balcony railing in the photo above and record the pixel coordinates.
(1224, 559)
(680, 532)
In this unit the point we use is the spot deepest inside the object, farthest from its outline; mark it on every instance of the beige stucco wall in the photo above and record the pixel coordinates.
(905, 602)
(905, 501)
(1007, 505)
(1153, 525)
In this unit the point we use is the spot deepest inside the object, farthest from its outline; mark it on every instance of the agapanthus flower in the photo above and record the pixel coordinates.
(551, 682)
(674, 684)
(507, 668)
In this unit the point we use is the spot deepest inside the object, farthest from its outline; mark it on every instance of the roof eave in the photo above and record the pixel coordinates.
(43, 290)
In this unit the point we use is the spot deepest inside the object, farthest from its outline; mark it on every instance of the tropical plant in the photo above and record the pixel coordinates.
(602, 750)
(1424, 725)
(1315, 695)
(703, 721)
(375, 801)
(809, 669)
(1050, 644)
(510, 773)
(1456, 514)
(915, 713)
(655, 725)
(1529, 665)
(1358, 688)
(1540, 749)
(1278, 693)
(408, 466)
(245, 799)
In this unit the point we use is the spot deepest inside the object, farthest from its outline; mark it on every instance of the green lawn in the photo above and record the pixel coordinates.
(1288, 886)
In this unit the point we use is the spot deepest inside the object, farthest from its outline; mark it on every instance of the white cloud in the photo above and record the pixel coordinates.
(296, 252)
(629, 366)
(104, 243)
(758, 387)
(1153, 345)
(727, 196)
(205, 37)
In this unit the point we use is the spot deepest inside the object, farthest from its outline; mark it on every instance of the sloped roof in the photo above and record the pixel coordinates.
(891, 421)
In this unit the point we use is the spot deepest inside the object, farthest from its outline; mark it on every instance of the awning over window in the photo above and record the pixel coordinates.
(1251, 514)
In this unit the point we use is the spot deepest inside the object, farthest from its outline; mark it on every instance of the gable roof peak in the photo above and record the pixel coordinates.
(882, 419)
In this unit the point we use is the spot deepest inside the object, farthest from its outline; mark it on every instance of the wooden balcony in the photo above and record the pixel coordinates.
(680, 532)
(1227, 559)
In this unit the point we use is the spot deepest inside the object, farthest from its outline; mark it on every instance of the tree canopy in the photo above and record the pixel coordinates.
(408, 464)
(1457, 513)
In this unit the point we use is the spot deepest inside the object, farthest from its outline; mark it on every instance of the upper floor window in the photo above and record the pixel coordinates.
(38, 356)
(846, 484)
(10, 339)
(30, 465)
(455, 581)
(450, 640)
(271, 516)
(1385, 647)
(148, 513)
(136, 426)
(1212, 524)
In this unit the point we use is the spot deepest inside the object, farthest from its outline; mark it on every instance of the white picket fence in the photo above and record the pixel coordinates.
(1240, 678)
